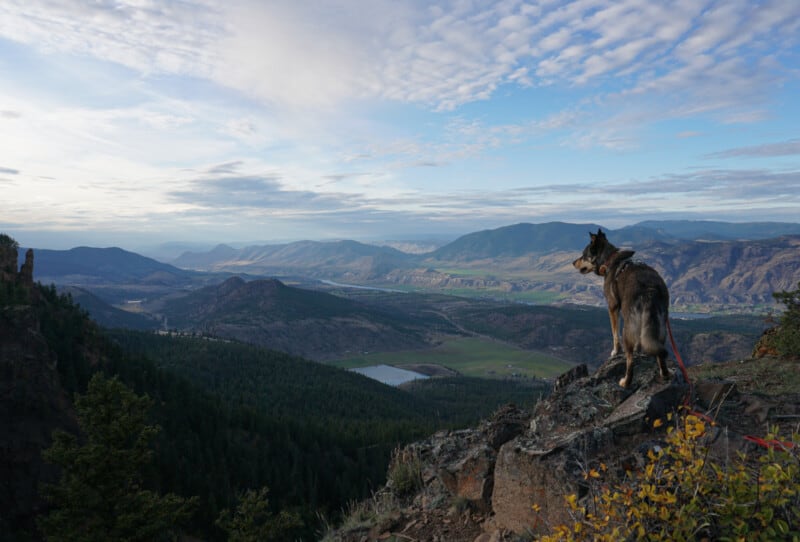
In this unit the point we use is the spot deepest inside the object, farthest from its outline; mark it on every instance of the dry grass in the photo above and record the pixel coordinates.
(767, 376)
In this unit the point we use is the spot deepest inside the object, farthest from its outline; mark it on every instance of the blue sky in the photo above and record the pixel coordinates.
(140, 121)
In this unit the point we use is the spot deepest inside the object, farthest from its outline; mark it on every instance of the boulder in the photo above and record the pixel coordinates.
(586, 421)
(482, 483)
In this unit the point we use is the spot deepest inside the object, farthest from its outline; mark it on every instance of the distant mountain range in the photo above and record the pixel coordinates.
(508, 241)
(522, 262)
(341, 259)
(704, 263)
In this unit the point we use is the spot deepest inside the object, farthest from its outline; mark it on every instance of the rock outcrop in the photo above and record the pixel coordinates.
(26, 270)
(32, 400)
(9, 253)
(481, 483)
(584, 422)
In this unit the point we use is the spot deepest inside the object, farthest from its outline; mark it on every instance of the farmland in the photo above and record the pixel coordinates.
(470, 356)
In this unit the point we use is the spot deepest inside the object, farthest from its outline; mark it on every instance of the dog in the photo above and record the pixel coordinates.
(638, 292)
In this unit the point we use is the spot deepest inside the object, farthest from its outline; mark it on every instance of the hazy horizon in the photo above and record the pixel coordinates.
(169, 249)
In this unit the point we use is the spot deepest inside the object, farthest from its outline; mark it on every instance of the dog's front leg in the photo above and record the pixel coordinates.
(613, 315)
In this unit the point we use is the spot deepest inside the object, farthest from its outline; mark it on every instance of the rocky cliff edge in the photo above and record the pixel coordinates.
(480, 484)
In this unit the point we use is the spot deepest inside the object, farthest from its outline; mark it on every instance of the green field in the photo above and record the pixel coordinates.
(471, 357)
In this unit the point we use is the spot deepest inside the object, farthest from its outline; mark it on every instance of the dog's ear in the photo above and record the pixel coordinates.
(600, 234)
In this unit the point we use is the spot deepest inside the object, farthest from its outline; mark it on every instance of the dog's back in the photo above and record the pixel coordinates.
(644, 304)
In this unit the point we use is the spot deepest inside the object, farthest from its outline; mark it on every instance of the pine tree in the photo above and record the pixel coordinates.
(253, 521)
(100, 495)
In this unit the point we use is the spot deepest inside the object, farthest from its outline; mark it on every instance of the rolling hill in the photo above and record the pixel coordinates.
(107, 315)
(515, 240)
(707, 265)
(310, 323)
(344, 259)
(104, 265)
(693, 230)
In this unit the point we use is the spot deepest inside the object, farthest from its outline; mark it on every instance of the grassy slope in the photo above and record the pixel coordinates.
(767, 376)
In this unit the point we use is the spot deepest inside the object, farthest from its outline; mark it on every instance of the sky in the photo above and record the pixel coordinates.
(136, 122)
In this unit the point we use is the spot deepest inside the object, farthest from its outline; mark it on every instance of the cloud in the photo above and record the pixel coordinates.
(444, 55)
(767, 150)
(264, 192)
(723, 185)
(149, 37)
(228, 167)
(356, 111)
(714, 193)
(315, 71)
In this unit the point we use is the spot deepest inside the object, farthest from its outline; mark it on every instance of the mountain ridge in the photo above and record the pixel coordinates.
(309, 323)
(520, 262)
(111, 264)
(511, 240)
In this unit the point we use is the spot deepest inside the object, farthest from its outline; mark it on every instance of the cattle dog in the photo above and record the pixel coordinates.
(638, 292)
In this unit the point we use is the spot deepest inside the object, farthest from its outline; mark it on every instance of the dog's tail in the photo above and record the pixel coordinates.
(654, 331)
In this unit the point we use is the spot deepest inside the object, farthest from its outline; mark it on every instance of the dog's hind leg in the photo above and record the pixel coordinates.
(613, 315)
(626, 380)
(631, 334)
(653, 337)
(662, 364)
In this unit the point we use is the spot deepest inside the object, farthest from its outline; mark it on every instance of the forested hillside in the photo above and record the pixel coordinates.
(232, 417)
(304, 322)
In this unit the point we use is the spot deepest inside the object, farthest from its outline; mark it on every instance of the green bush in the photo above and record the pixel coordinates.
(405, 472)
(787, 337)
(684, 494)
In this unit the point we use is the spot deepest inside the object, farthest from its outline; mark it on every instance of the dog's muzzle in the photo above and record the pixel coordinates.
(583, 266)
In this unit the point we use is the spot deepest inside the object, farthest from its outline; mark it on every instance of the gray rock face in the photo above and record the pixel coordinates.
(588, 420)
(518, 459)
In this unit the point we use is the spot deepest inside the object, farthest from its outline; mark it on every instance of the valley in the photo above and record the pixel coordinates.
(249, 370)
(709, 266)
(470, 356)
(511, 291)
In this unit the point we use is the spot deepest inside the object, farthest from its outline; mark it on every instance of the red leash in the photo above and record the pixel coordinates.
(687, 401)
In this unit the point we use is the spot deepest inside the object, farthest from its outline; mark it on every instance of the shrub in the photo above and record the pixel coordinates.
(405, 471)
(363, 515)
(787, 337)
(682, 493)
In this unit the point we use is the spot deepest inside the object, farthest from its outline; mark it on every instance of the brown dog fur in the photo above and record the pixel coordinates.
(638, 293)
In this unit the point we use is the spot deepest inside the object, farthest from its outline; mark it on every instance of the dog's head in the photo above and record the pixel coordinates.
(589, 260)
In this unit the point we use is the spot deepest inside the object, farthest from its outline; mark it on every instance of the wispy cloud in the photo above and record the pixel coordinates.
(783, 148)
(445, 55)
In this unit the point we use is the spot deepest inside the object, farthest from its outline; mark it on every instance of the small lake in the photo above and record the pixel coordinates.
(388, 374)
